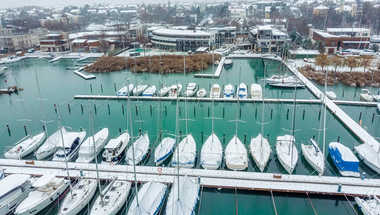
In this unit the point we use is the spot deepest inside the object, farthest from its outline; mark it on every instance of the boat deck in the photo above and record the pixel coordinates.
(208, 178)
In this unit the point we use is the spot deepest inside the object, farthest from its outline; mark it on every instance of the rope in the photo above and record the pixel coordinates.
(350, 204)
(274, 204)
(237, 211)
(311, 203)
(200, 201)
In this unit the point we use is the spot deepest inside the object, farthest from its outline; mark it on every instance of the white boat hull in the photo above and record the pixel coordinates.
(113, 203)
(187, 153)
(201, 93)
(141, 147)
(82, 192)
(43, 203)
(86, 153)
(163, 150)
(260, 151)
(287, 157)
(368, 207)
(236, 155)
(211, 153)
(315, 159)
(25, 147)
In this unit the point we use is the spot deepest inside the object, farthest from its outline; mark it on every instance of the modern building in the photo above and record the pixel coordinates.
(12, 41)
(337, 39)
(238, 13)
(41, 32)
(267, 39)
(224, 35)
(181, 40)
(55, 42)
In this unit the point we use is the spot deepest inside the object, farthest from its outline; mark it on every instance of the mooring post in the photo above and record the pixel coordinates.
(287, 114)
(208, 111)
(194, 111)
(43, 128)
(119, 130)
(202, 137)
(180, 135)
(137, 112)
(343, 94)
(9, 130)
(360, 116)
(355, 94)
(55, 108)
(95, 109)
(268, 137)
(313, 137)
(271, 113)
(101, 87)
(80, 129)
(109, 110)
(68, 105)
(26, 132)
(151, 110)
(114, 86)
(256, 113)
(319, 115)
(122, 109)
(373, 117)
(338, 139)
(224, 137)
(81, 107)
(166, 111)
(245, 138)
(303, 114)
(239, 112)
(223, 112)
(91, 87)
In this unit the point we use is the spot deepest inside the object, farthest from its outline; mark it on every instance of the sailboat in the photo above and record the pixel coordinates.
(212, 150)
(149, 199)
(183, 196)
(187, 149)
(30, 143)
(13, 190)
(150, 91)
(115, 149)
(256, 91)
(201, 93)
(125, 90)
(112, 198)
(139, 89)
(236, 154)
(92, 146)
(51, 144)
(366, 95)
(163, 150)
(164, 90)
(369, 206)
(215, 91)
(70, 147)
(82, 193)
(259, 146)
(141, 148)
(228, 91)
(287, 152)
(311, 152)
(242, 91)
(191, 89)
(47, 189)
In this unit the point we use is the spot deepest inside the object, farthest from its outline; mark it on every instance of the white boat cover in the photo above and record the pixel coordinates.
(44, 180)
(187, 152)
(211, 153)
(12, 181)
(256, 91)
(125, 90)
(236, 155)
(164, 149)
(139, 89)
(260, 151)
(287, 152)
(150, 91)
(228, 91)
(215, 91)
(141, 147)
(201, 92)
(331, 94)
(87, 147)
(52, 142)
(25, 146)
(113, 143)
(314, 156)
(163, 91)
(369, 155)
(242, 91)
(184, 202)
(151, 197)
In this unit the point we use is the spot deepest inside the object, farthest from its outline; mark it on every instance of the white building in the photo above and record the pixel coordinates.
(267, 39)
(238, 13)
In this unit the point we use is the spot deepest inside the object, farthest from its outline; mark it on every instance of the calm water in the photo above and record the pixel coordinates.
(59, 86)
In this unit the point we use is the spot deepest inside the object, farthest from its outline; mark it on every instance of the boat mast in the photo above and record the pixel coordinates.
(96, 155)
(262, 114)
(177, 136)
(293, 124)
(212, 101)
(42, 107)
(133, 148)
(64, 152)
(324, 118)
(237, 111)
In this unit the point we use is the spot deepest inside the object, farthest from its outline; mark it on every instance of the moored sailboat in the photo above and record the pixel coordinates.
(88, 150)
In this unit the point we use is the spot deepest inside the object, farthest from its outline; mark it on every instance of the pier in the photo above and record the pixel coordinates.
(217, 73)
(353, 126)
(87, 77)
(208, 178)
(208, 99)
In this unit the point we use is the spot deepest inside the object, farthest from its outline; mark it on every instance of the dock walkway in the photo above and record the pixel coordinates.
(208, 178)
(217, 73)
(353, 126)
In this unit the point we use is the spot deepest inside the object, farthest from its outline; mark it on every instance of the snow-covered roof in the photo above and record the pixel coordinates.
(53, 35)
(263, 27)
(276, 32)
(325, 34)
(181, 32)
(12, 181)
(321, 7)
(347, 29)
(79, 41)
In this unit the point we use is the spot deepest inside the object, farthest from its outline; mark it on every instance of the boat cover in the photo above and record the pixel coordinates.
(343, 158)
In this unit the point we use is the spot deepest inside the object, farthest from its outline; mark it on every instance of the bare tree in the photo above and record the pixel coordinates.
(322, 61)
(366, 61)
(142, 40)
(351, 62)
(103, 43)
(336, 62)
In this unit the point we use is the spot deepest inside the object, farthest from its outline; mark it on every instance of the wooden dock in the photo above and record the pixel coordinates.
(208, 178)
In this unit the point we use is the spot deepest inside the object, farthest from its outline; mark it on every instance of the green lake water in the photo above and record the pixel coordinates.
(59, 86)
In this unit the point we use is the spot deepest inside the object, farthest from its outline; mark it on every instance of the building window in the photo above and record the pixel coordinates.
(324, 43)
(333, 43)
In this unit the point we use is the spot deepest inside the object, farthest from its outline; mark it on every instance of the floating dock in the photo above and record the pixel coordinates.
(87, 77)
(217, 73)
(208, 178)
(208, 99)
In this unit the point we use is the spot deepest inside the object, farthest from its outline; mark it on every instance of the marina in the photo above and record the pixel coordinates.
(110, 111)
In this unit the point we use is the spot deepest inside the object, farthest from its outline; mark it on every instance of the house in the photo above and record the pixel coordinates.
(321, 10)
(55, 42)
(267, 39)
(238, 13)
(17, 42)
(337, 39)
